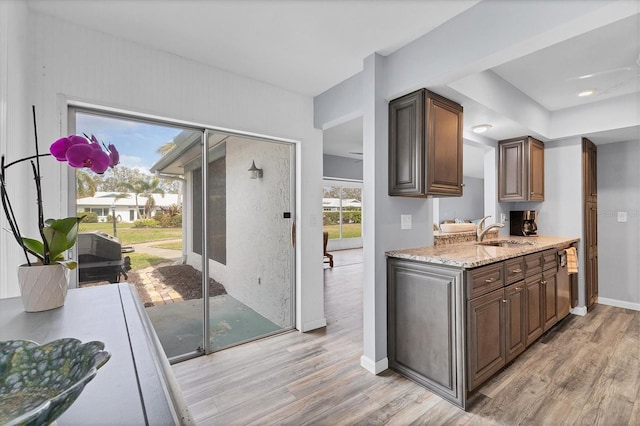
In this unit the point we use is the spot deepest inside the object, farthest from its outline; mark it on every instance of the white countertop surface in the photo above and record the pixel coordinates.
(471, 254)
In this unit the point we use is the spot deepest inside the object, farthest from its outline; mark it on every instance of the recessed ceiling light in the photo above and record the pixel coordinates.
(582, 77)
(481, 128)
(587, 93)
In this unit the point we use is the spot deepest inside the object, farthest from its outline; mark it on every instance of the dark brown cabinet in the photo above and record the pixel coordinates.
(550, 287)
(424, 325)
(590, 233)
(521, 170)
(534, 308)
(425, 146)
(486, 336)
(515, 312)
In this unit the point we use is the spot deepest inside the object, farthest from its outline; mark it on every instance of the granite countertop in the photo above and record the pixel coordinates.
(471, 255)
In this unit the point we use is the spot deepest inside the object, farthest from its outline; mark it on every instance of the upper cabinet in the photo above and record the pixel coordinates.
(521, 170)
(425, 146)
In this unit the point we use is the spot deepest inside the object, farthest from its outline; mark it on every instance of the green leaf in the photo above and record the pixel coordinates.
(34, 245)
(61, 235)
(71, 264)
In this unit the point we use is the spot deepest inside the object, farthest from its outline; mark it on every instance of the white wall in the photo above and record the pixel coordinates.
(335, 166)
(258, 237)
(16, 136)
(67, 61)
(561, 213)
(619, 242)
(469, 206)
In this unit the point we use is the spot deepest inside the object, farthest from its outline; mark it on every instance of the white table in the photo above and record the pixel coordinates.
(137, 385)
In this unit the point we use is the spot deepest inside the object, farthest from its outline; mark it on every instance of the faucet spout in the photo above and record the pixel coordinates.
(481, 230)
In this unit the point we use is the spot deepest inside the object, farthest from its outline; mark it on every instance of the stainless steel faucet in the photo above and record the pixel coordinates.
(481, 230)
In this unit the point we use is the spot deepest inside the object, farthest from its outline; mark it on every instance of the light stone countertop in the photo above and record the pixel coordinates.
(470, 254)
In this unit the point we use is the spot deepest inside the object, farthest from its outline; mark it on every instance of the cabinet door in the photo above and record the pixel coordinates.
(550, 287)
(534, 298)
(591, 252)
(511, 171)
(515, 320)
(406, 146)
(536, 170)
(444, 146)
(486, 349)
(424, 326)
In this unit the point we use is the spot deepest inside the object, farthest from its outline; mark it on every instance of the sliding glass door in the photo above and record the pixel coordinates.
(162, 220)
(249, 212)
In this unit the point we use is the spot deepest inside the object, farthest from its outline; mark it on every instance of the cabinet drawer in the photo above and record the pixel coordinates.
(533, 264)
(514, 270)
(485, 279)
(550, 259)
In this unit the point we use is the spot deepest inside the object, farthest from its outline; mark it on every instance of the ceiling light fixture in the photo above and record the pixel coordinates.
(481, 128)
(587, 93)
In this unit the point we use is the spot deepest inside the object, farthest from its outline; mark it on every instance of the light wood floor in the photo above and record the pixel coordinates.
(584, 371)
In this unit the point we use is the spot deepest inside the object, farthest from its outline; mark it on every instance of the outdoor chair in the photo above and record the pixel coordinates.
(328, 257)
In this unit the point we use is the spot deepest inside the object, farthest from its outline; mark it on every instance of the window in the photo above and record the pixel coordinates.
(342, 209)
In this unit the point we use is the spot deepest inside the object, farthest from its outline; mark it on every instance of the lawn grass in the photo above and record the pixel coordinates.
(130, 235)
(349, 230)
(176, 245)
(144, 260)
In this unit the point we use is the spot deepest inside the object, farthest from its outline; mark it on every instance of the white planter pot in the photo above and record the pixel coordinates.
(43, 287)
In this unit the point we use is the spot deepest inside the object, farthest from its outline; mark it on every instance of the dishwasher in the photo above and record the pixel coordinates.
(564, 286)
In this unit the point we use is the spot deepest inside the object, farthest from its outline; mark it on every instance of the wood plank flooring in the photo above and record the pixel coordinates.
(584, 371)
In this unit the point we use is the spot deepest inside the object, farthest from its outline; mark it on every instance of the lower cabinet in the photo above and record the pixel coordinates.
(534, 313)
(495, 331)
(515, 342)
(541, 304)
(425, 312)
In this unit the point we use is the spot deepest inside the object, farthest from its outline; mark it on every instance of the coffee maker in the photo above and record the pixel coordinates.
(523, 223)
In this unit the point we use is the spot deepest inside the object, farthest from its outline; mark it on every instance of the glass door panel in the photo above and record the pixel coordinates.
(249, 226)
(134, 230)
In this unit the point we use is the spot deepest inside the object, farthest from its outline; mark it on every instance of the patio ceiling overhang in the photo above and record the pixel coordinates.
(187, 153)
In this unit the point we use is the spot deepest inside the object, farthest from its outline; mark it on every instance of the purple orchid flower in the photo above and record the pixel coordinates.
(114, 156)
(82, 152)
(59, 148)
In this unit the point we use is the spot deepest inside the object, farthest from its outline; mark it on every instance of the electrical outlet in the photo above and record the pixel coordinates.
(503, 218)
(622, 216)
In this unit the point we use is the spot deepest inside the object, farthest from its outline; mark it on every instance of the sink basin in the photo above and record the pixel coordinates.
(506, 243)
(457, 227)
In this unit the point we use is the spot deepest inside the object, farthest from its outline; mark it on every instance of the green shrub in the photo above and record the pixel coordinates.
(348, 216)
(146, 223)
(89, 217)
(176, 221)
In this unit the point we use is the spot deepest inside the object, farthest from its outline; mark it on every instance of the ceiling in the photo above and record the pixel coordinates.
(310, 46)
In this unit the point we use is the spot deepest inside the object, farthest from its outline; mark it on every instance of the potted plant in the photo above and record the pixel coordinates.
(44, 282)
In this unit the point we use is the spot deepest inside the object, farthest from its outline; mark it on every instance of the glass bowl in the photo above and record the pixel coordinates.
(39, 382)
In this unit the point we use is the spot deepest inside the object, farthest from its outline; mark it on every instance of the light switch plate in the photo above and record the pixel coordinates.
(622, 216)
(405, 221)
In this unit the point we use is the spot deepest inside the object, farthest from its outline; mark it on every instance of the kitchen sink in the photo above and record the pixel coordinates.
(506, 243)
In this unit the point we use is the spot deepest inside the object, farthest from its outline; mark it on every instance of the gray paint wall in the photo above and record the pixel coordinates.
(469, 206)
(618, 242)
(341, 167)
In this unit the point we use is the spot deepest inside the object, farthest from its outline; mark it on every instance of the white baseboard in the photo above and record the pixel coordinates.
(619, 303)
(579, 310)
(372, 366)
(313, 325)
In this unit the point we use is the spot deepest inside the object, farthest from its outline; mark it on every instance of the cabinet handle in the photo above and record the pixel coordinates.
(461, 185)
(490, 280)
(543, 282)
(504, 300)
(518, 288)
(516, 271)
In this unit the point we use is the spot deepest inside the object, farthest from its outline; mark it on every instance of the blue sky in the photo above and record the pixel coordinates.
(136, 142)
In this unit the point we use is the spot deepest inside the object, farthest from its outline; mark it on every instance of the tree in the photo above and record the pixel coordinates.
(86, 185)
(165, 148)
(144, 188)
